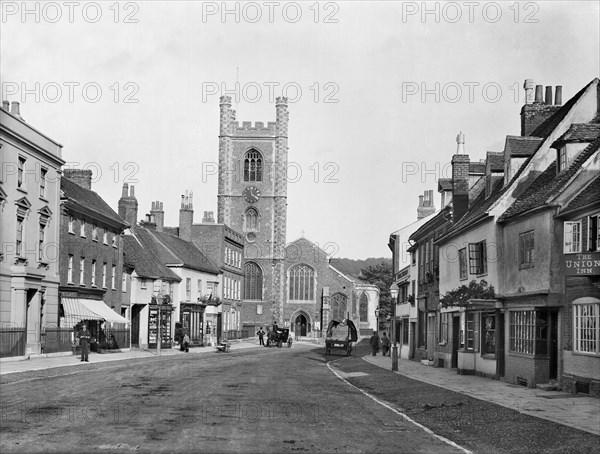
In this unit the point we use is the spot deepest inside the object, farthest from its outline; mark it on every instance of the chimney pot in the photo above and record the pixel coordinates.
(132, 191)
(15, 109)
(548, 96)
(125, 190)
(539, 93)
(6, 105)
(558, 95)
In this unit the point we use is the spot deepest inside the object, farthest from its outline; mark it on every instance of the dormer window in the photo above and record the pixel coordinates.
(562, 159)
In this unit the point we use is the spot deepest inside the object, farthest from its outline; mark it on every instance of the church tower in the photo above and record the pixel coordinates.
(252, 198)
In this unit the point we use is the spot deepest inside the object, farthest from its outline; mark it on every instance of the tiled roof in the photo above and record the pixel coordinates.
(587, 197)
(442, 216)
(173, 250)
(548, 184)
(89, 200)
(477, 167)
(521, 146)
(546, 128)
(146, 264)
(580, 132)
(495, 161)
(476, 189)
(445, 184)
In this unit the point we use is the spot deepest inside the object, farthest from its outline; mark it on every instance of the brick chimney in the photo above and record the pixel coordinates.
(149, 222)
(128, 205)
(426, 206)
(537, 110)
(81, 177)
(186, 216)
(460, 180)
(159, 215)
(15, 110)
(208, 218)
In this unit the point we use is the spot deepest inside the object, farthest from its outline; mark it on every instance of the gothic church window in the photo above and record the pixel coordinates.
(253, 166)
(338, 306)
(251, 219)
(253, 279)
(363, 308)
(302, 283)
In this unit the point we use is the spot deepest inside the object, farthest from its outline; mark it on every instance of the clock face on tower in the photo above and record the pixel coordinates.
(251, 194)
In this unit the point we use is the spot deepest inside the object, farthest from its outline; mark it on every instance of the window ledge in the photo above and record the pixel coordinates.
(481, 275)
(20, 189)
(588, 354)
(70, 232)
(70, 283)
(44, 199)
(526, 266)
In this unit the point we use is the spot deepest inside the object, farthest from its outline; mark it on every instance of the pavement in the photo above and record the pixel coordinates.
(9, 365)
(577, 411)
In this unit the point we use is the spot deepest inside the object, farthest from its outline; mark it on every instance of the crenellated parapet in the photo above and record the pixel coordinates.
(257, 129)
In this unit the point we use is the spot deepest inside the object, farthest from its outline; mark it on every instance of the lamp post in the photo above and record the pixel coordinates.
(394, 295)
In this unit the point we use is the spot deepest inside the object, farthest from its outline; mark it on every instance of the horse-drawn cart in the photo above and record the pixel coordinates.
(277, 336)
(340, 334)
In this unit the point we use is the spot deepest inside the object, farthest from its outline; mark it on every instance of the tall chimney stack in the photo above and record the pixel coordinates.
(558, 95)
(533, 115)
(81, 177)
(128, 205)
(159, 215)
(460, 180)
(186, 216)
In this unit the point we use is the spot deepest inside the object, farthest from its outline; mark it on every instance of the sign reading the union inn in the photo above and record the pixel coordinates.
(583, 264)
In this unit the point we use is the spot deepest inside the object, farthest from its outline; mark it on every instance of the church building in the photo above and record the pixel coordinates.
(291, 284)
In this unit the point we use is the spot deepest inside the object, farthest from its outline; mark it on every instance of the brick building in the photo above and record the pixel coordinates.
(91, 259)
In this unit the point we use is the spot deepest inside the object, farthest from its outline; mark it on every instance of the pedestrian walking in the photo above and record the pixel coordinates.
(261, 336)
(84, 340)
(374, 343)
(186, 343)
(385, 345)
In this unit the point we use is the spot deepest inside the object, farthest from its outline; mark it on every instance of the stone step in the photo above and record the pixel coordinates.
(547, 386)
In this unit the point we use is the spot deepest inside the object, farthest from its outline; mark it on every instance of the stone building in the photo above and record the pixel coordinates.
(252, 199)
(29, 225)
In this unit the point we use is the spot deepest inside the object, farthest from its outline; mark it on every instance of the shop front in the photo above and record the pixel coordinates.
(191, 319)
(159, 325)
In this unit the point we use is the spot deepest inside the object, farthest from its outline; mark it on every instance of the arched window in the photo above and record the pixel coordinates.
(302, 283)
(363, 308)
(338, 306)
(252, 281)
(253, 166)
(251, 219)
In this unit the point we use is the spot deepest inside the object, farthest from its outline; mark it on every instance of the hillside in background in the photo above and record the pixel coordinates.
(353, 267)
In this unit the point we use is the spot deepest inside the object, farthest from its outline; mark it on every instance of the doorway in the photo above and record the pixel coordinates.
(301, 325)
(135, 324)
(455, 340)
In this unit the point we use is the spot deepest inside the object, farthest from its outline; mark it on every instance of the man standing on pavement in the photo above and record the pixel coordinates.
(84, 340)
(385, 345)
(261, 336)
(374, 343)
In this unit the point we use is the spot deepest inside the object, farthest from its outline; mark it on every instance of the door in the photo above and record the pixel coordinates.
(455, 340)
(219, 327)
(553, 346)
(301, 325)
(135, 325)
(500, 349)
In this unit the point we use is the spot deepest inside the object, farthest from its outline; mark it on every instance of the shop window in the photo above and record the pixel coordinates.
(526, 249)
(443, 337)
(462, 263)
(572, 237)
(478, 258)
(470, 331)
(405, 325)
(586, 321)
(522, 332)
(488, 333)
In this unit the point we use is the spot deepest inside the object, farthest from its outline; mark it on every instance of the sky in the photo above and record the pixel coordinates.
(377, 93)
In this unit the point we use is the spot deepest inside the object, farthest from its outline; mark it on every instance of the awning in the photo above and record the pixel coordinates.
(79, 309)
(75, 312)
(104, 311)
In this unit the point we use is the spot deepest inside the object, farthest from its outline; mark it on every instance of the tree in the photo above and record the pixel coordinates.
(382, 276)
(463, 294)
